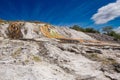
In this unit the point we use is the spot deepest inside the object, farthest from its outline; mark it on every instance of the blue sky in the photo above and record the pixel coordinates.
(85, 13)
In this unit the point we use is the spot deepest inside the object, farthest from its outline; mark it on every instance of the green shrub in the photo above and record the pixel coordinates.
(115, 35)
(91, 30)
(78, 28)
(107, 29)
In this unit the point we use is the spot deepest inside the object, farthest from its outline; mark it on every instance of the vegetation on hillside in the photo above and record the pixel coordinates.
(108, 30)
(90, 30)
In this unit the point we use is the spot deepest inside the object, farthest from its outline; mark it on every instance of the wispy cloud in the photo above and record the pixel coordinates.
(107, 13)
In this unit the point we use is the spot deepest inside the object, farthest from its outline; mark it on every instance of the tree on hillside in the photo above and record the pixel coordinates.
(107, 29)
(91, 30)
(77, 27)
(115, 35)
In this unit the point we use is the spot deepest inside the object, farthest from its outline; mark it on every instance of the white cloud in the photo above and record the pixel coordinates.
(107, 13)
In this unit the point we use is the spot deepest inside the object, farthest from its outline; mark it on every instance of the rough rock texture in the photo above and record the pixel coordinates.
(39, 58)
(32, 30)
(103, 37)
(70, 33)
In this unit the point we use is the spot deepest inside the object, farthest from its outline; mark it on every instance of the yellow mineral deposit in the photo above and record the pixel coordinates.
(14, 32)
(51, 32)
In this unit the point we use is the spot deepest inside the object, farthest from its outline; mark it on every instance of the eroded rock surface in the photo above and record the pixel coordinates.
(35, 57)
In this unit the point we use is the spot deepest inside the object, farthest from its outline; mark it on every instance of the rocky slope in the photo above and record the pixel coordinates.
(27, 54)
(103, 37)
